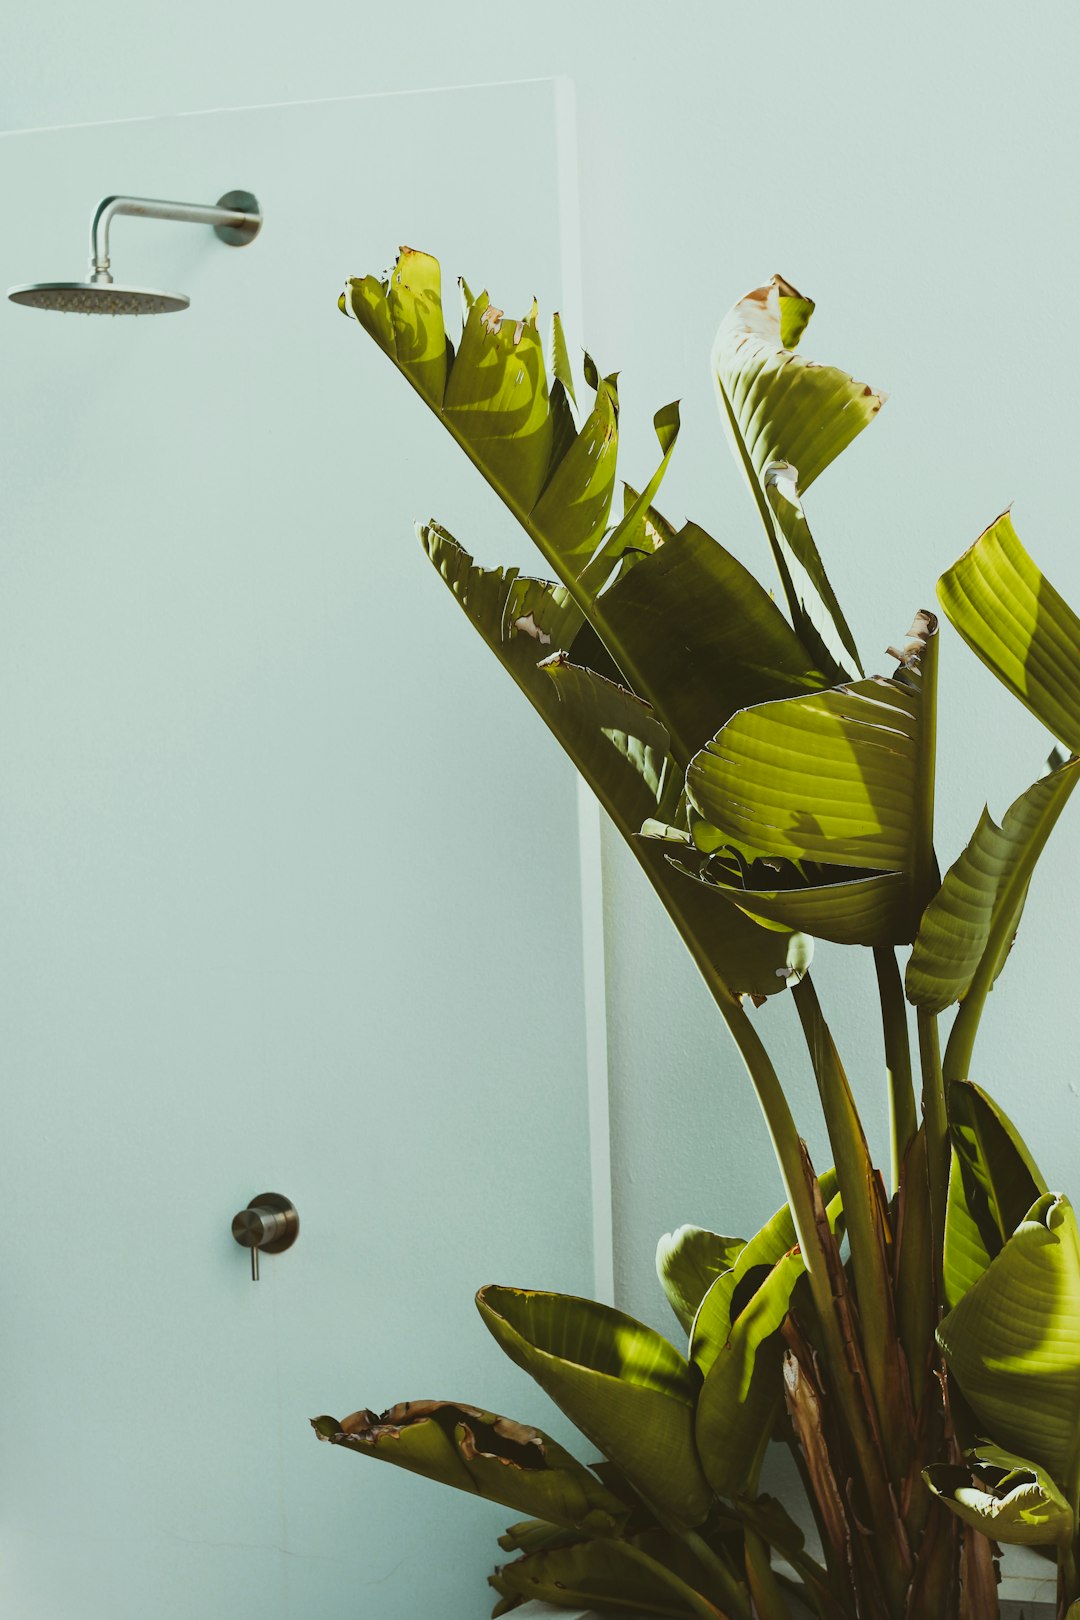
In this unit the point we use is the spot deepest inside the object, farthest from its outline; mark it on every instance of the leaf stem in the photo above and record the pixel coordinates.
(787, 1144)
(936, 1120)
(863, 1219)
(696, 1602)
(769, 1600)
(903, 1114)
(845, 1382)
(734, 1592)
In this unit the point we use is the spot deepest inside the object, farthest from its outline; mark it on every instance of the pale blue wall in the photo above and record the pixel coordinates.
(913, 168)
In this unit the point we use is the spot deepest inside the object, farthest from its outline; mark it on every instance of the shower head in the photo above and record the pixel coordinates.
(236, 221)
(97, 298)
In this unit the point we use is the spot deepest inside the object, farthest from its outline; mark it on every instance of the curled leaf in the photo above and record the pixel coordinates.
(688, 1262)
(483, 1453)
(1007, 1498)
(1013, 1341)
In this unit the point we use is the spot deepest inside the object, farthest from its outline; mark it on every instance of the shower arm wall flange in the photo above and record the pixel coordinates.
(235, 217)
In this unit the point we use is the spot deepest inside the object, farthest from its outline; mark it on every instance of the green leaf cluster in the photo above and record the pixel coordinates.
(914, 1340)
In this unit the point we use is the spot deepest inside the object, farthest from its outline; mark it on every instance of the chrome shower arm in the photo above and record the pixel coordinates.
(235, 219)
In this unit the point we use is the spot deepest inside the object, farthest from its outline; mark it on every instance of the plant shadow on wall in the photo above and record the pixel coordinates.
(915, 1341)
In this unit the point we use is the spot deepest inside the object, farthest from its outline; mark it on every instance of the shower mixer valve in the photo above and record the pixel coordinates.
(269, 1223)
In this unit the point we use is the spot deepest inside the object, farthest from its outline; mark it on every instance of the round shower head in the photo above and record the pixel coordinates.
(97, 298)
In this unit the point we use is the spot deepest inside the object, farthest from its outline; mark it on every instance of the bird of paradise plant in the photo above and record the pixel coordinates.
(914, 1340)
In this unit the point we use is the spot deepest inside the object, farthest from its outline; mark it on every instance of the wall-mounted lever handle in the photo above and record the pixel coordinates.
(270, 1222)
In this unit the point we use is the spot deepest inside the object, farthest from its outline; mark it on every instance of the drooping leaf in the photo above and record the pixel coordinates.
(602, 1574)
(783, 410)
(688, 1262)
(786, 408)
(484, 1454)
(1013, 1341)
(1016, 622)
(626, 1388)
(1004, 1497)
(842, 779)
(957, 924)
(612, 737)
(534, 1535)
(617, 744)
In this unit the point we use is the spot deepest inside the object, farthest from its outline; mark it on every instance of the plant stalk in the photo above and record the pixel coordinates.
(862, 1217)
(846, 1386)
(734, 1592)
(696, 1602)
(903, 1114)
(936, 1121)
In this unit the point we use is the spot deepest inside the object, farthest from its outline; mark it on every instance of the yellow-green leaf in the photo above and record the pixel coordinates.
(627, 1389)
(1016, 622)
(1013, 1341)
(482, 1453)
(784, 411)
(1004, 1497)
(841, 778)
(957, 924)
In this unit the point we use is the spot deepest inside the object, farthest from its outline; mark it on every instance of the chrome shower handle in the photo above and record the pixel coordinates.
(269, 1222)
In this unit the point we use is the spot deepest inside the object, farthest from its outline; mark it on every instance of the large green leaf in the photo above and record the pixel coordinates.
(965, 1254)
(696, 636)
(992, 1184)
(484, 1454)
(743, 1393)
(626, 1388)
(1015, 621)
(713, 1321)
(496, 402)
(857, 911)
(1013, 1341)
(1004, 1497)
(736, 1344)
(613, 738)
(617, 744)
(789, 418)
(841, 779)
(989, 879)
(688, 1262)
(706, 638)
